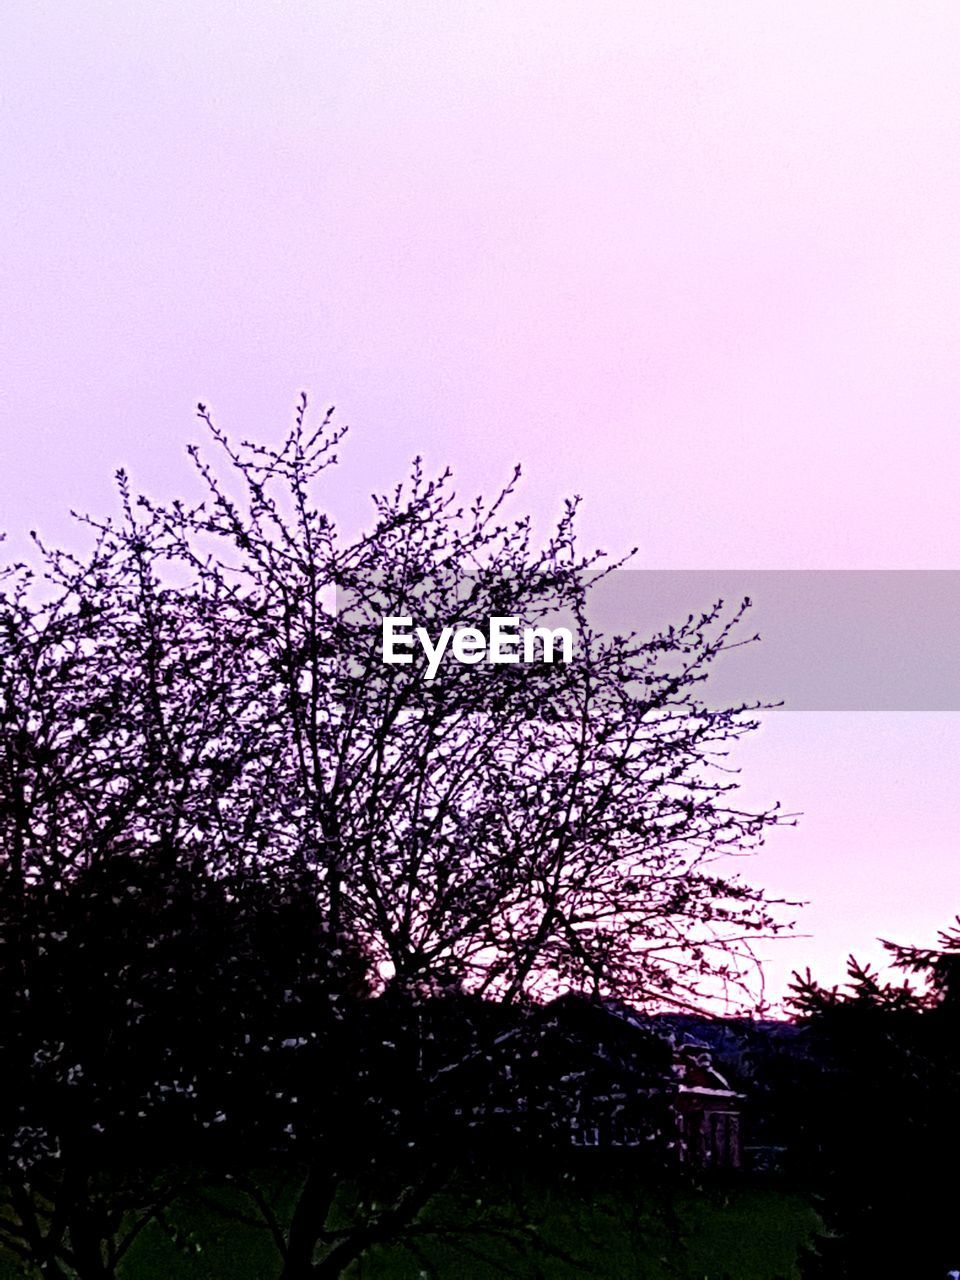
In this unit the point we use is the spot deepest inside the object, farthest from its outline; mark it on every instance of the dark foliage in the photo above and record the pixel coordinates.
(874, 1093)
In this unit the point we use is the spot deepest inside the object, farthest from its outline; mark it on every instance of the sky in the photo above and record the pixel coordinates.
(695, 262)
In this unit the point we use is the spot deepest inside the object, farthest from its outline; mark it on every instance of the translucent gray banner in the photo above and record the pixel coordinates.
(830, 640)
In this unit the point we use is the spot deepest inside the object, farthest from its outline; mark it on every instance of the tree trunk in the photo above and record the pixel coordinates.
(307, 1223)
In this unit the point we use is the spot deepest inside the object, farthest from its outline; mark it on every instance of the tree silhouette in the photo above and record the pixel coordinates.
(874, 1099)
(201, 701)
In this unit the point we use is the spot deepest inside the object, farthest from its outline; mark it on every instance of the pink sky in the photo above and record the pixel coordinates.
(697, 262)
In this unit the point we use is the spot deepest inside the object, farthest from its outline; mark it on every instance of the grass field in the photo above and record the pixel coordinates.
(736, 1232)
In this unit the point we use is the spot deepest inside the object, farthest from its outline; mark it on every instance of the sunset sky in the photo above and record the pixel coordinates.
(696, 262)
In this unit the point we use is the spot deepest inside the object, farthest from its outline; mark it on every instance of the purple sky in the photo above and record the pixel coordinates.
(697, 262)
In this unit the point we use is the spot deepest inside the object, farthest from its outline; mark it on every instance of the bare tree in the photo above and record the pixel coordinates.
(505, 831)
(514, 826)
